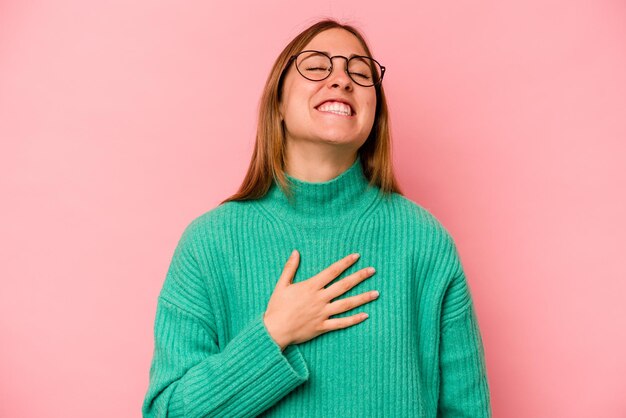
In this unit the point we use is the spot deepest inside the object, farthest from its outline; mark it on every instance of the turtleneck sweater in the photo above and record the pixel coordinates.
(419, 354)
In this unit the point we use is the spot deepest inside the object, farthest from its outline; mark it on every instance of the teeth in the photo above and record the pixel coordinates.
(336, 107)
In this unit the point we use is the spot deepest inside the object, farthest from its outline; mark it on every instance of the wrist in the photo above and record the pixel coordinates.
(279, 339)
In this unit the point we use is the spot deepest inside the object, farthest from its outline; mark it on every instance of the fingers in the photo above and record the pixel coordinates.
(338, 323)
(346, 304)
(289, 271)
(347, 283)
(331, 272)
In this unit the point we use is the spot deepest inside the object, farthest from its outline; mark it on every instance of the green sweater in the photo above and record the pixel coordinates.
(419, 354)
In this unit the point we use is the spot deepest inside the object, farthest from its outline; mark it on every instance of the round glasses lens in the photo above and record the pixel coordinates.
(364, 71)
(313, 65)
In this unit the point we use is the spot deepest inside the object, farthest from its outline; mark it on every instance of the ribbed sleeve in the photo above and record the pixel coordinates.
(190, 376)
(464, 390)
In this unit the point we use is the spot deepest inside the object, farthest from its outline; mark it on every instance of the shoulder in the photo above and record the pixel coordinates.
(416, 217)
(217, 222)
(434, 247)
(429, 239)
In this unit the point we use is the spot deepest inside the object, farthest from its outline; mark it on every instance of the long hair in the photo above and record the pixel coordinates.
(268, 158)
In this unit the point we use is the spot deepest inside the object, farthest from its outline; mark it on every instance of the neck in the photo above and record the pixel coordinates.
(322, 204)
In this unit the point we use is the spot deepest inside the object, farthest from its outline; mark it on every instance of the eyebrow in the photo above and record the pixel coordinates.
(351, 55)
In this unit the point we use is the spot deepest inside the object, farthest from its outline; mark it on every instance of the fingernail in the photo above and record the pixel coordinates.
(355, 256)
(293, 254)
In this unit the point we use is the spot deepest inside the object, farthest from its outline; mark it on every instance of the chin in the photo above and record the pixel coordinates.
(331, 134)
(339, 140)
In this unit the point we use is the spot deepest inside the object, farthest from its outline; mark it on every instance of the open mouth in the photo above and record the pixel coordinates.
(336, 108)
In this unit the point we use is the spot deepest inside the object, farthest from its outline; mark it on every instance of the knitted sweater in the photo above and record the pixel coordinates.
(419, 354)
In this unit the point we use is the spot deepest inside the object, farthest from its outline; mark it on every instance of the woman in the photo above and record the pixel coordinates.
(233, 340)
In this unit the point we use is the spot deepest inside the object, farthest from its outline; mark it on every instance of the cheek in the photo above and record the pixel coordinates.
(295, 112)
(295, 102)
(370, 106)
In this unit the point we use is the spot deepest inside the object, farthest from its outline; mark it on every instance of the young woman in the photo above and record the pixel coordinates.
(241, 332)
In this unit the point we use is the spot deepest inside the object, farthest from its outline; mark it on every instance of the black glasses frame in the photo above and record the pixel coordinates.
(382, 68)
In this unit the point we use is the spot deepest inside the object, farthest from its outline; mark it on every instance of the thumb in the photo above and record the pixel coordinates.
(289, 270)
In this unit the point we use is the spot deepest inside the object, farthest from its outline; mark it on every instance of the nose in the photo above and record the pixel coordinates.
(339, 74)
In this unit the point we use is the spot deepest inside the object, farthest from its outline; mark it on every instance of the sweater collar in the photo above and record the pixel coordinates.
(323, 204)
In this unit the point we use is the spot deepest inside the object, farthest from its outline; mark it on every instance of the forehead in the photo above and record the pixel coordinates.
(336, 41)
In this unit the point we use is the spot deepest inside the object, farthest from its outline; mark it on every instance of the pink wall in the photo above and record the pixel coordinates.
(122, 121)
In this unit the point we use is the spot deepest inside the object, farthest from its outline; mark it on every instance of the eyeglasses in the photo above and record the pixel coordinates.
(317, 66)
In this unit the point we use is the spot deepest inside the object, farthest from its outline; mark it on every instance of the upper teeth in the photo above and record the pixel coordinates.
(336, 107)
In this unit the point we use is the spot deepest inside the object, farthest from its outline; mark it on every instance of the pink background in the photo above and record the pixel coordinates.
(121, 121)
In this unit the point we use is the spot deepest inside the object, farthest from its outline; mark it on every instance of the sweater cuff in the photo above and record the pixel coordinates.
(254, 374)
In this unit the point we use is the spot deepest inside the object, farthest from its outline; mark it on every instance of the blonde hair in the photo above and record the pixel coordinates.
(268, 158)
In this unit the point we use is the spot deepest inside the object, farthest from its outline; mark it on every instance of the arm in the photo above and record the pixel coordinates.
(464, 389)
(190, 376)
